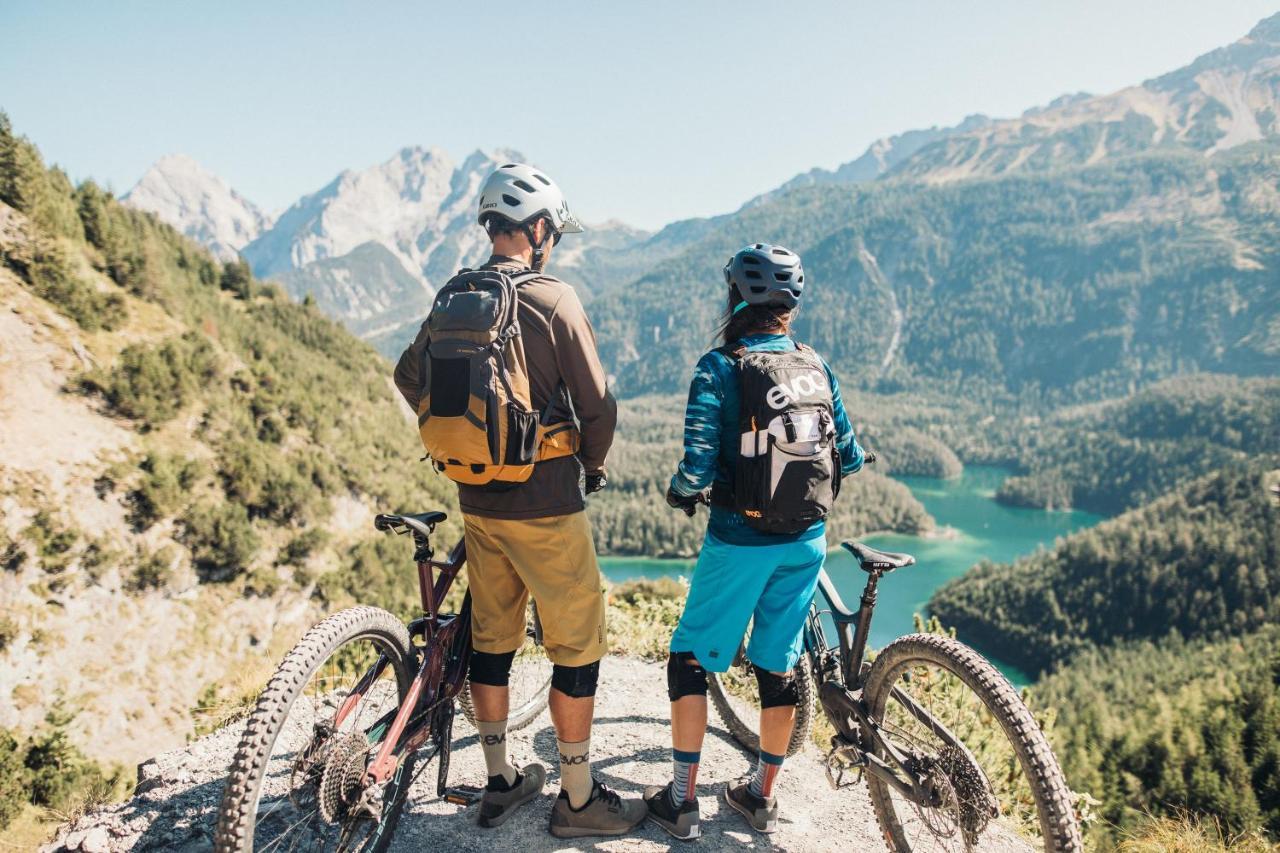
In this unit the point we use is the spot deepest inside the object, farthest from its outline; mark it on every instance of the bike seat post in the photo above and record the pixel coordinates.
(422, 556)
(863, 632)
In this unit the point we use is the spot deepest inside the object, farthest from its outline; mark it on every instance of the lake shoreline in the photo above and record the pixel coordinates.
(971, 527)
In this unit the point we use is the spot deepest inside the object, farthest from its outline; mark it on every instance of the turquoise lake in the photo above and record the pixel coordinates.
(972, 526)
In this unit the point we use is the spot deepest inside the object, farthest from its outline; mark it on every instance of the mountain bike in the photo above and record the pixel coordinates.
(357, 710)
(952, 757)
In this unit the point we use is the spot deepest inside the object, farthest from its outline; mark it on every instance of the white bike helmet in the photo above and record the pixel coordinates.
(521, 194)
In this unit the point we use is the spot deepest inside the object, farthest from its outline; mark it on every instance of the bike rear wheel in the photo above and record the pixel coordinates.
(995, 782)
(530, 680)
(736, 698)
(295, 781)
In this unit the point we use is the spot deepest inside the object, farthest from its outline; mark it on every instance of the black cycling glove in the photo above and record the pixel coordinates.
(688, 504)
(596, 482)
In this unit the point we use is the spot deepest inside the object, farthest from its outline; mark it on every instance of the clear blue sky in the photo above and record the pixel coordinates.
(647, 111)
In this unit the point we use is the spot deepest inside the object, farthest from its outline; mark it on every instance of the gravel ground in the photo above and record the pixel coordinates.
(179, 790)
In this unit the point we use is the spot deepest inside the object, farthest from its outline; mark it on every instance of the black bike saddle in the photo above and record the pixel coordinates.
(422, 522)
(872, 560)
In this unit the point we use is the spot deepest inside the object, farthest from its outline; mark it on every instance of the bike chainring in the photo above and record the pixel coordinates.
(978, 804)
(341, 784)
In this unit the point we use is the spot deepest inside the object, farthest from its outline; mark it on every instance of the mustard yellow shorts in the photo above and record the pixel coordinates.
(554, 559)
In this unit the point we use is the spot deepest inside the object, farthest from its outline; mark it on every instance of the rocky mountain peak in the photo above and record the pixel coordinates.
(198, 203)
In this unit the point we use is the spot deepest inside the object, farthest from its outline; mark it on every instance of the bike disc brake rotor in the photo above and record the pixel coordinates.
(340, 786)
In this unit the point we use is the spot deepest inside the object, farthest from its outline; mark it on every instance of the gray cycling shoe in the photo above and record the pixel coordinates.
(604, 814)
(760, 812)
(679, 821)
(498, 805)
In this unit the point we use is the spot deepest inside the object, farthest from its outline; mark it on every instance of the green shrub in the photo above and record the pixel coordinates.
(221, 539)
(97, 558)
(8, 631)
(165, 487)
(47, 270)
(269, 484)
(53, 542)
(302, 546)
(237, 278)
(14, 777)
(153, 571)
(152, 384)
(61, 776)
(11, 554)
(262, 582)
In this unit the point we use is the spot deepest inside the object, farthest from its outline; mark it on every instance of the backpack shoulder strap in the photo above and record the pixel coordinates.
(734, 351)
(523, 277)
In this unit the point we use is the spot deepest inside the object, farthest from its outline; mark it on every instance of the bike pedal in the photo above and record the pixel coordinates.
(462, 795)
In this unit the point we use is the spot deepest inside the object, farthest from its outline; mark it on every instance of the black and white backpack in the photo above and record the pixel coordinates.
(788, 471)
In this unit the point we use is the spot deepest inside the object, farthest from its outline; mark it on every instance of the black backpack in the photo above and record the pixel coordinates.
(788, 470)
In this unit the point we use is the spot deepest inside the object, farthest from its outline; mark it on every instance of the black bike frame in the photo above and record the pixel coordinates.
(842, 698)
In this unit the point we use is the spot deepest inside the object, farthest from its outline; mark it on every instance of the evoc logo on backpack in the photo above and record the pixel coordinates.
(803, 385)
(788, 471)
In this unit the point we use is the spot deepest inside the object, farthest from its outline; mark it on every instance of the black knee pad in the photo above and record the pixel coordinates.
(576, 681)
(776, 691)
(685, 676)
(491, 669)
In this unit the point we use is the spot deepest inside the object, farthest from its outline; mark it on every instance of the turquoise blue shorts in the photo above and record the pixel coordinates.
(735, 584)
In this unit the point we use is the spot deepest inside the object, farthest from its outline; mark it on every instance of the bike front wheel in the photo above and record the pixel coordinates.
(297, 780)
(990, 779)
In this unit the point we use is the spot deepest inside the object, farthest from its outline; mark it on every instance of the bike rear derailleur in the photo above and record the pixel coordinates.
(843, 758)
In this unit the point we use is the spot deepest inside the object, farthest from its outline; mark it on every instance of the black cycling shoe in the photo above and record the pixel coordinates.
(679, 821)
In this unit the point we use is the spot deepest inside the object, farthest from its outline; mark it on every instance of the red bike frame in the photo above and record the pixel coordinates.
(440, 635)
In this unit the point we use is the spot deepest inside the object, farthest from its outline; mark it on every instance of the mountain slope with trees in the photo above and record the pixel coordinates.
(1114, 275)
(1201, 562)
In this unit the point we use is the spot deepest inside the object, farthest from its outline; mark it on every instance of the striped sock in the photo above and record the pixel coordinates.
(685, 766)
(766, 771)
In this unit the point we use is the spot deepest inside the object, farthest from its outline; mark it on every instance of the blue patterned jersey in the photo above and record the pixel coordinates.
(711, 440)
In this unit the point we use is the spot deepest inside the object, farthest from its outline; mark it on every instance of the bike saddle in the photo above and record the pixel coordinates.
(422, 522)
(872, 560)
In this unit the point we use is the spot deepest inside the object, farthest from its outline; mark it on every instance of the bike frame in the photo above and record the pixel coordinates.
(840, 688)
(445, 639)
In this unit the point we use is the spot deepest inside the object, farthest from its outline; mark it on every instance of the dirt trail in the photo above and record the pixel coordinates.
(179, 791)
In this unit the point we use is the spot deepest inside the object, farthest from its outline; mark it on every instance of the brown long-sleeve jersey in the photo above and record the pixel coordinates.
(560, 354)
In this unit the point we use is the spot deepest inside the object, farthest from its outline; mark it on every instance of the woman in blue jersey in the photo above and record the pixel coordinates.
(766, 429)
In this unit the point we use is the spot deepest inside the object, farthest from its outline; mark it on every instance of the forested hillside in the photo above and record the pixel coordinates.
(189, 464)
(1110, 457)
(1203, 561)
(1155, 728)
(1158, 629)
(1054, 287)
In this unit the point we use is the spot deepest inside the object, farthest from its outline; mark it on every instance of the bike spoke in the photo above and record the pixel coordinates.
(980, 798)
(298, 779)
